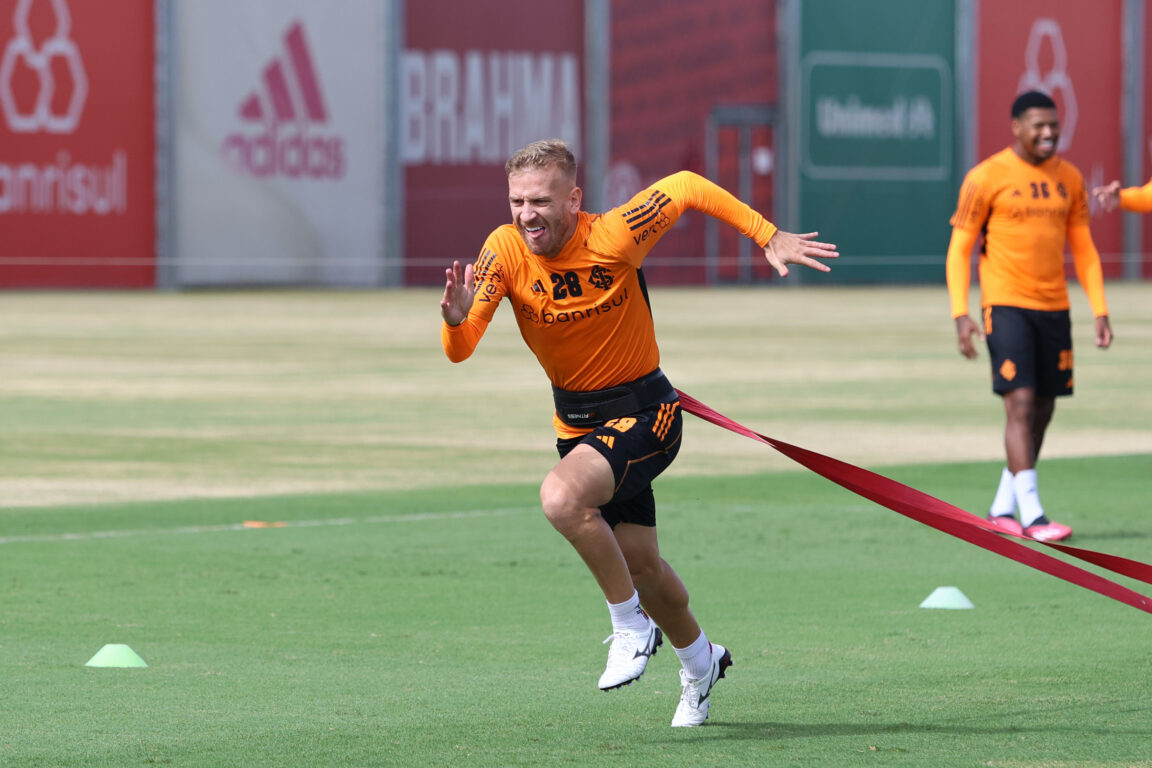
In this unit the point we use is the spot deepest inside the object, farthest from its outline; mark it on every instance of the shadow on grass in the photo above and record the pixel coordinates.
(1108, 536)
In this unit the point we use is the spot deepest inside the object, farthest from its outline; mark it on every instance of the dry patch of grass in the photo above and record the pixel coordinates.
(113, 397)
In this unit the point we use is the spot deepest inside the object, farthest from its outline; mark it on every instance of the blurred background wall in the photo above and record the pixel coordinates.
(194, 143)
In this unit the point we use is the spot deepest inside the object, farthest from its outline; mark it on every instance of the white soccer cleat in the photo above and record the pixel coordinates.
(629, 654)
(696, 695)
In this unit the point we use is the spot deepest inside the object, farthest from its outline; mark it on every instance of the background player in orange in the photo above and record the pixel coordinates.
(1027, 203)
(1134, 199)
(575, 284)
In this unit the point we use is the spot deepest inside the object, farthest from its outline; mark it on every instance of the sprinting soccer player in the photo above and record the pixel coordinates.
(1132, 199)
(1027, 203)
(574, 281)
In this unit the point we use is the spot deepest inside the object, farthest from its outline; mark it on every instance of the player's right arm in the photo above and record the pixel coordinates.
(471, 295)
(967, 221)
(458, 336)
(459, 293)
(958, 277)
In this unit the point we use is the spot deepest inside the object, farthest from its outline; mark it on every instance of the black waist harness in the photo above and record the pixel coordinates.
(591, 409)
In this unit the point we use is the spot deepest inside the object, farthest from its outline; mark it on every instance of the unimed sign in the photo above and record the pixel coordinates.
(876, 125)
(76, 144)
(880, 116)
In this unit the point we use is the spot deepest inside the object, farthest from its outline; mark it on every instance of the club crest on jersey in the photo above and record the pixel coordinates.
(601, 277)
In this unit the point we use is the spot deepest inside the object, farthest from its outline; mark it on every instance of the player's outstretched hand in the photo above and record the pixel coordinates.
(966, 328)
(459, 293)
(787, 248)
(1108, 196)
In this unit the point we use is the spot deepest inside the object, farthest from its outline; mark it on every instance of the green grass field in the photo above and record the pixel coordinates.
(416, 609)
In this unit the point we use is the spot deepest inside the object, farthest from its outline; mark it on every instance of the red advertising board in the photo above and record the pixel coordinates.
(76, 144)
(1073, 51)
(479, 81)
(671, 72)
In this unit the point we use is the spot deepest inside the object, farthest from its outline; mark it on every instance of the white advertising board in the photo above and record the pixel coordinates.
(279, 144)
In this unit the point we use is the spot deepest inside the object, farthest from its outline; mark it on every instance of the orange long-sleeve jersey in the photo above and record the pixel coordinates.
(584, 312)
(1137, 199)
(1026, 213)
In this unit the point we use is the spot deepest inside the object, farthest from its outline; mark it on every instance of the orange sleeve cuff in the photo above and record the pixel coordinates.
(459, 341)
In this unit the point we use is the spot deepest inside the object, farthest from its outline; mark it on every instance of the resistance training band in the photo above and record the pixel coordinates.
(948, 518)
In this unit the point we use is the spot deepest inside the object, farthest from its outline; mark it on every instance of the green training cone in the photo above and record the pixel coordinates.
(946, 597)
(114, 655)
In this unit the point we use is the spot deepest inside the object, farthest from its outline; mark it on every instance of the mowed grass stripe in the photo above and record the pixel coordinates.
(256, 524)
(120, 397)
(477, 641)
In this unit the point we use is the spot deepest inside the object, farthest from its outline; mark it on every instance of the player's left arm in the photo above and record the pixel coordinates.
(690, 190)
(958, 276)
(1089, 272)
(1135, 199)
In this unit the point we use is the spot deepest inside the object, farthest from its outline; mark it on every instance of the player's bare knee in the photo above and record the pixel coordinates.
(1020, 405)
(561, 507)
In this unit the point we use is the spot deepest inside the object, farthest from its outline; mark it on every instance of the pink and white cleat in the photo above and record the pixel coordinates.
(1007, 523)
(1047, 531)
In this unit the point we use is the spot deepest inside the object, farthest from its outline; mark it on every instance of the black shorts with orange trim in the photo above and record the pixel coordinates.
(1029, 348)
(638, 447)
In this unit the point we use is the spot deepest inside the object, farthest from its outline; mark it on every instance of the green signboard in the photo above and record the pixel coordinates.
(877, 116)
(875, 142)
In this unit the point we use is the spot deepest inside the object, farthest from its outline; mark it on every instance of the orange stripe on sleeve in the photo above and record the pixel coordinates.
(964, 206)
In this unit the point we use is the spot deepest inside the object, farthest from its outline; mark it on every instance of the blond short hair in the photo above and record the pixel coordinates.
(547, 153)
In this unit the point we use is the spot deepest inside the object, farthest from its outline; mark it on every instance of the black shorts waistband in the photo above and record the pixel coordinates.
(592, 409)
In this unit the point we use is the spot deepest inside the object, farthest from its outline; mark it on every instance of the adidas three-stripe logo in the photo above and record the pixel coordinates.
(644, 214)
(291, 89)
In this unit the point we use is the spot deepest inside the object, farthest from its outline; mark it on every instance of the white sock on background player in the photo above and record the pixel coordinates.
(1005, 501)
(1027, 496)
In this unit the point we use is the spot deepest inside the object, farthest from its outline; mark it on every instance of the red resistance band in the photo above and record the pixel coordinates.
(948, 518)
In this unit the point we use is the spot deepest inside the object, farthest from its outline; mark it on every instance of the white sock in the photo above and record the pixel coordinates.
(696, 658)
(1027, 496)
(1005, 501)
(628, 615)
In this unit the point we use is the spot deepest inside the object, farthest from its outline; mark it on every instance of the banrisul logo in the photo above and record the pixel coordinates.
(51, 71)
(43, 89)
(286, 129)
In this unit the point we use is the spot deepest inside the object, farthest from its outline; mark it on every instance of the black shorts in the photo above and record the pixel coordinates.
(1029, 348)
(638, 447)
